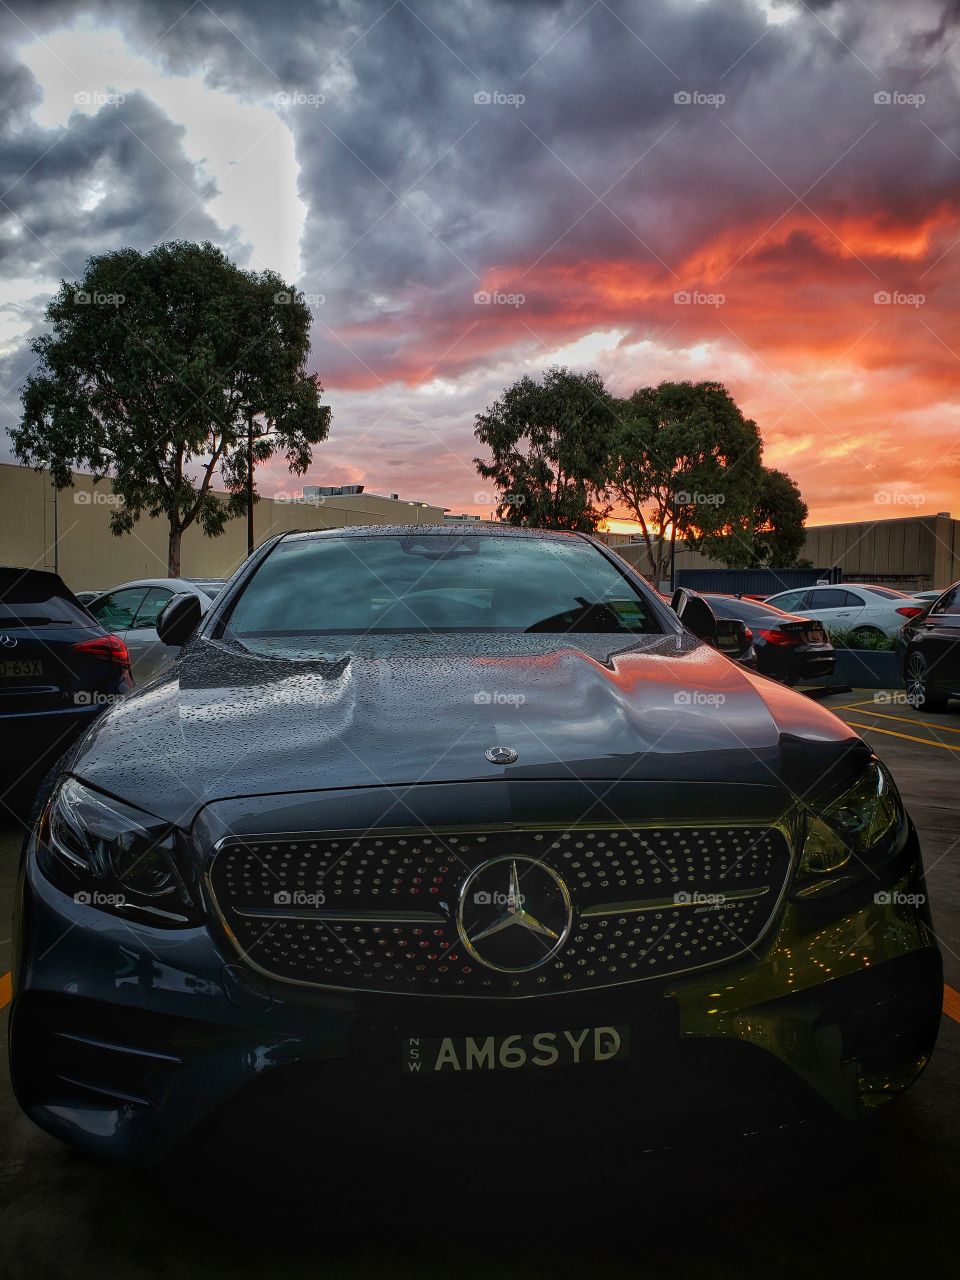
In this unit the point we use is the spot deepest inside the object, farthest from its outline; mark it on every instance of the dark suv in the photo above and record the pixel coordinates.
(59, 669)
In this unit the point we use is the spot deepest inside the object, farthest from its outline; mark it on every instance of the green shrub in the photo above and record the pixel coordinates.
(847, 639)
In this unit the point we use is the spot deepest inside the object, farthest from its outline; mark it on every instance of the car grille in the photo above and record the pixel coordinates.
(379, 911)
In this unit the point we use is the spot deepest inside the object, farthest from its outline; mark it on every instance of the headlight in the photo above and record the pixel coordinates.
(112, 856)
(852, 834)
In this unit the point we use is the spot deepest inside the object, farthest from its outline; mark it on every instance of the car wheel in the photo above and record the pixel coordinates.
(917, 680)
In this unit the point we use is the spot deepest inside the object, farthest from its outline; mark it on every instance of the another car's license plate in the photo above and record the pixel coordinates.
(814, 637)
(533, 1049)
(21, 667)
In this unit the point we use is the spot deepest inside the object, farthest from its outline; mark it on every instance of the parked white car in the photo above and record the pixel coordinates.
(131, 610)
(852, 606)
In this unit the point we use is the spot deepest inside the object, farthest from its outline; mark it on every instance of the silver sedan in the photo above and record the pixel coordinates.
(131, 610)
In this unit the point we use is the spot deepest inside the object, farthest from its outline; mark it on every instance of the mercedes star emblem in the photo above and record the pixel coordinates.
(501, 755)
(514, 914)
(10, 642)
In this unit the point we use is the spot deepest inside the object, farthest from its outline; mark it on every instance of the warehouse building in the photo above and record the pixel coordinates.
(70, 531)
(913, 553)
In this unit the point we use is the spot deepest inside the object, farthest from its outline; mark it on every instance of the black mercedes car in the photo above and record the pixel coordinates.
(796, 650)
(59, 669)
(430, 823)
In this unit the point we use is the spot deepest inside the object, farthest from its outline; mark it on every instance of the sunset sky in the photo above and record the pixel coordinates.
(762, 193)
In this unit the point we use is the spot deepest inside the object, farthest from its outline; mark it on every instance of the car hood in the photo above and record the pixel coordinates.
(229, 721)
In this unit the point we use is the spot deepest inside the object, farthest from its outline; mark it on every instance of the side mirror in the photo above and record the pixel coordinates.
(178, 619)
(695, 614)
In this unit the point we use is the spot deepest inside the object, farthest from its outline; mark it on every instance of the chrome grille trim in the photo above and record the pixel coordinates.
(666, 904)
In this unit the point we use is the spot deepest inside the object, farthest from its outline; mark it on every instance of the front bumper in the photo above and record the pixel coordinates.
(124, 1038)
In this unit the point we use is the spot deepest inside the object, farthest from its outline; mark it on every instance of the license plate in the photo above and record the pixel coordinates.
(21, 667)
(814, 637)
(533, 1050)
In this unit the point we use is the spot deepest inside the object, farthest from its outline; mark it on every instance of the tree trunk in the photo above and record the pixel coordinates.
(173, 553)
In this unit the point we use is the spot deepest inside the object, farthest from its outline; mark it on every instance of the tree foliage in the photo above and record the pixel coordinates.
(684, 459)
(775, 534)
(154, 367)
(550, 443)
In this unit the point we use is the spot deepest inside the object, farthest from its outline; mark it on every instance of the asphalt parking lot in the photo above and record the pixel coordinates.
(873, 1199)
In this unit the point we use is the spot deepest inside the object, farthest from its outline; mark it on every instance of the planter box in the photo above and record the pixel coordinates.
(866, 669)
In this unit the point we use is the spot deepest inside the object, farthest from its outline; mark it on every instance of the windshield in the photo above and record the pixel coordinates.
(429, 583)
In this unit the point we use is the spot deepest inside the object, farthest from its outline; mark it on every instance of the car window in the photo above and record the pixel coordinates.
(788, 601)
(949, 602)
(150, 606)
(431, 582)
(830, 598)
(854, 600)
(117, 610)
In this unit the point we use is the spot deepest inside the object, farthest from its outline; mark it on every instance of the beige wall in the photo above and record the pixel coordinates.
(922, 551)
(924, 548)
(77, 539)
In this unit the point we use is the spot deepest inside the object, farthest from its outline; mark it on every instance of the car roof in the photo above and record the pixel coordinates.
(172, 584)
(430, 531)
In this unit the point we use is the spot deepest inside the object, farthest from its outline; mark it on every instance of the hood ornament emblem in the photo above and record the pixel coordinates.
(501, 755)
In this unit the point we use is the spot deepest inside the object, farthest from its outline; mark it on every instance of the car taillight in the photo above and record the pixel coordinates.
(747, 635)
(775, 636)
(110, 648)
(909, 610)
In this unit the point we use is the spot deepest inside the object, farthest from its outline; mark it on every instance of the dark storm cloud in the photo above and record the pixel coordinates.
(596, 198)
(417, 194)
(490, 185)
(130, 153)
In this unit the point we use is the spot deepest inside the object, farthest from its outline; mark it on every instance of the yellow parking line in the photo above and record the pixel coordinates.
(885, 715)
(6, 989)
(908, 737)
